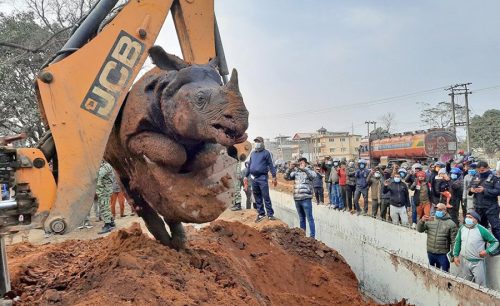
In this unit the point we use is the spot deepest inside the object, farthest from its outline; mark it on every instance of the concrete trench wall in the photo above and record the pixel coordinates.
(390, 261)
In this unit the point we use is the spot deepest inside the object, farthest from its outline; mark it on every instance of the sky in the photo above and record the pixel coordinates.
(336, 64)
(307, 64)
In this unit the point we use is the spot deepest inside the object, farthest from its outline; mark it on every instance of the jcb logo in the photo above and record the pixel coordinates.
(113, 76)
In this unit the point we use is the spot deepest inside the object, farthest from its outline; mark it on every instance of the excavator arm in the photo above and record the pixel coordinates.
(80, 93)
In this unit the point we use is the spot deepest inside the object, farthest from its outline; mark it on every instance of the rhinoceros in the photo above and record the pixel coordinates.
(169, 144)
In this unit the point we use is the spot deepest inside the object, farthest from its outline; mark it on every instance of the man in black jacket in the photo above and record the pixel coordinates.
(485, 187)
(399, 199)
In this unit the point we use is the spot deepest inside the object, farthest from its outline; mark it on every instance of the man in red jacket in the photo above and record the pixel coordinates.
(342, 182)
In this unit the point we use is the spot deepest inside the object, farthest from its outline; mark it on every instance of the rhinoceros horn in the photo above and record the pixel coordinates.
(232, 85)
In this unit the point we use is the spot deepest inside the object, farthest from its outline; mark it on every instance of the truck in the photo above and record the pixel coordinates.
(417, 146)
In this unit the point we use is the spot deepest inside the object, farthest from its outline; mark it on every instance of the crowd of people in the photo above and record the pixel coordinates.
(454, 203)
(428, 198)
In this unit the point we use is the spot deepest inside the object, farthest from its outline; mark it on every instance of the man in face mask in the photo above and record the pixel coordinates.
(471, 169)
(456, 189)
(436, 179)
(327, 166)
(422, 195)
(385, 197)
(361, 176)
(259, 165)
(441, 232)
(399, 199)
(375, 183)
(470, 249)
(485, 187)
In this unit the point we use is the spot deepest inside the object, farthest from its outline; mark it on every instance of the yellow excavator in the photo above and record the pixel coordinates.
(80, 92)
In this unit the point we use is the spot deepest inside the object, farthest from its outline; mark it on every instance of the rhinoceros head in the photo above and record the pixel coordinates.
(194, 103)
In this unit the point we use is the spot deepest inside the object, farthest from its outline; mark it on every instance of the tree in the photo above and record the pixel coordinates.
(28, 39)
(440, 115)
(485, 132)
(387, 120)
(379, 133)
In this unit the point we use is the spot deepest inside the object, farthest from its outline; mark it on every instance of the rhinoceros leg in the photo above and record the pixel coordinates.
(158, 149)
(178, 235)
(153, 222)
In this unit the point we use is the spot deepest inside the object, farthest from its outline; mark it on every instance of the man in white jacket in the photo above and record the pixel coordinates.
(470, 248)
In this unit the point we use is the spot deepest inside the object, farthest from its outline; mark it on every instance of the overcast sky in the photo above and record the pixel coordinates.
(302, 63)
(306, 64)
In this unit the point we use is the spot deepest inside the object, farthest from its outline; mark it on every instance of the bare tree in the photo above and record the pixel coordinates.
(440, 115)
(28, 39)
(387, 120)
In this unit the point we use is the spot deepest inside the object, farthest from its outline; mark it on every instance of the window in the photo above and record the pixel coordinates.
(357, 138)
(342, 139)
(331, 139)
(343, 149)
(332, 150)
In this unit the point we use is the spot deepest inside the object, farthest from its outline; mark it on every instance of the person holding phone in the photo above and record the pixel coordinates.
(303, 176)
(441, 232)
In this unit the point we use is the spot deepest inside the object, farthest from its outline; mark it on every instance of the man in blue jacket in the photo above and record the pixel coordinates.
(259, 165)
(361, 186)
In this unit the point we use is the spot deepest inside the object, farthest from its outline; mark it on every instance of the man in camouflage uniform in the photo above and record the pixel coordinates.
(104, 190)
(237, 188)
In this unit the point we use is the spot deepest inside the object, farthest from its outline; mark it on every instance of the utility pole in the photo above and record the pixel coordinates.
(466, 93)
(461, 89)
(369, 141)
(452, 94)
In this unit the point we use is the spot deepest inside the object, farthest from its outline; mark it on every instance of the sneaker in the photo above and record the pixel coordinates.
(414, 225)
(272, 218)
(106, 229)
(259, 218)
(81, 227)
(236, 207)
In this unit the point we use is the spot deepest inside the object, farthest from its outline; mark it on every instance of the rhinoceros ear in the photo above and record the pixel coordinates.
(164, 60)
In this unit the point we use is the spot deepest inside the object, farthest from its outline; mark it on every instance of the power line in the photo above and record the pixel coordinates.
(351, 105)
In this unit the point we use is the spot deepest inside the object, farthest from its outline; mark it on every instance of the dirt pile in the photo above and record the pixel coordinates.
(226, 263)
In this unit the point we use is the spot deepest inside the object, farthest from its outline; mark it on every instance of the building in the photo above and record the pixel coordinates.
(282, 148)
(315, 146)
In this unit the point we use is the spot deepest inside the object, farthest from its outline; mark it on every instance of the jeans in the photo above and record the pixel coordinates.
(304, 209)
(357, 194)
(413, 210)
(439, 261)
(319, 193)
(397, 213)
(260, 187)
(336, 198)
(328, 188)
